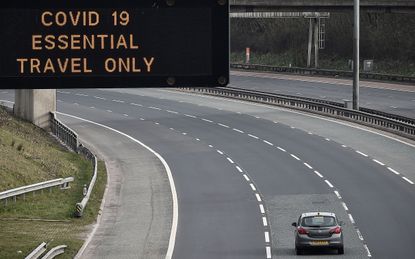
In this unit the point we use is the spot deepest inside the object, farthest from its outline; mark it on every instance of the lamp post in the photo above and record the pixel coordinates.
(356, 54)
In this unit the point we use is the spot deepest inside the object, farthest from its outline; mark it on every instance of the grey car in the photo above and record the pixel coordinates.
(318, 230)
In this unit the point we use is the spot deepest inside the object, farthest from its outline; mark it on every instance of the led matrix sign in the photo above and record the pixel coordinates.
(60, 44)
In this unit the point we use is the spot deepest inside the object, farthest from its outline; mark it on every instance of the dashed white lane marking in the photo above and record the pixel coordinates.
(60, 101)
(378, 162)
(118, 101)
(92, 107)
(295, 157)
(237, 130)
(329, 183)
(267, 142)
(345, 206)
(268, 250)
(292, 127)
(266, 237)
(359, 234)
(230, 160)
(184, 133)
(157, 123)
(257, 117)
(197, 139)
(393, 171)
(246, 178)
(171, 128)
(344, 146)
(190, 116)
(327, 139)
(337, 194)
(310, 133)
(220, 152)
(81, 95)
(406, 179)
(210, 146)
(239, 169)
(207, 120)
(258, 197)
(264, 221)
(283, 150)
(100, 98)
(319, 175)
(109, 111)
(174, 112)
(137, 104)
(351, 218)
(361, 153)
(142, 119)
(77, 104)
(253, 136)
(223, 125)
(394, 107)
(309, 166)
(253, 187)
(154, 108)
(261, 208)
(64, 92)
(368, 251)
(126, 115)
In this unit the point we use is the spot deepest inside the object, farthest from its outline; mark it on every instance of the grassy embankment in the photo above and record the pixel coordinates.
(29, 155)
(326, 62)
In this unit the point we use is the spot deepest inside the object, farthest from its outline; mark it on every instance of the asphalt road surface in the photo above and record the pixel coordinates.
(387, 97)
(244, 172)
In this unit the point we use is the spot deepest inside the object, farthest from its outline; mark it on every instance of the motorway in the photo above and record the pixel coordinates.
(244, 172)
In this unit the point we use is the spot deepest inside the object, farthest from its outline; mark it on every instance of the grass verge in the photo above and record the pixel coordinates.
(45, 216)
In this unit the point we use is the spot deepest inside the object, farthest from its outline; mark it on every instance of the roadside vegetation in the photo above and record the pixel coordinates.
(388, 39)
(29, 155)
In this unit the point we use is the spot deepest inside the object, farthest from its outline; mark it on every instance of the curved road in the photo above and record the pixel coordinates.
(244, 172)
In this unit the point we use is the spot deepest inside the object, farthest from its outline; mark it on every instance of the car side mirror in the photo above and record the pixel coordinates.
(294, 224)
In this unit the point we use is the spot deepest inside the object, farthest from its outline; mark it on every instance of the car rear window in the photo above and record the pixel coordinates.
(318, 221)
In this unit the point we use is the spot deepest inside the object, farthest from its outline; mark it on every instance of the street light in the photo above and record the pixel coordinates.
(356, 54)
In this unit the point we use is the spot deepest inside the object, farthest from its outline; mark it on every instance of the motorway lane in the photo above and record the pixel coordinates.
(386, 97)
(381, 180)
(219, 216)
(351, 180)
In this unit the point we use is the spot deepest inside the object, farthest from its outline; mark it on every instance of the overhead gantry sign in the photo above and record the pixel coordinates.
(146, 43)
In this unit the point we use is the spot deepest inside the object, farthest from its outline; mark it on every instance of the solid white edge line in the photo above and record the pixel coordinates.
(406, 179)
(268, 249)
(173, 231)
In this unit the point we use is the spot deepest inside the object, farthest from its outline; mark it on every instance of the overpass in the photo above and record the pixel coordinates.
(399, 6)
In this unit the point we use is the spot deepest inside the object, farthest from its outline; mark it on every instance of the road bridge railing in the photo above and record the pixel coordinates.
(323, 72)
(372, 120)
(64, 133)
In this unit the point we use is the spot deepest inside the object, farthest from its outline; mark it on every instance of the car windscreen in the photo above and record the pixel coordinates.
(318, 221)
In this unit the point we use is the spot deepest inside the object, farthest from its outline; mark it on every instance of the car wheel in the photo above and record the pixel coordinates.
(341, 250)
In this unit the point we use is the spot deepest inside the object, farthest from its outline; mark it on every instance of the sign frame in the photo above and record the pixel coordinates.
(219, 72)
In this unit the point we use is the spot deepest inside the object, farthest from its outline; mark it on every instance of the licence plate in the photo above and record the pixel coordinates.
(319, 243)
